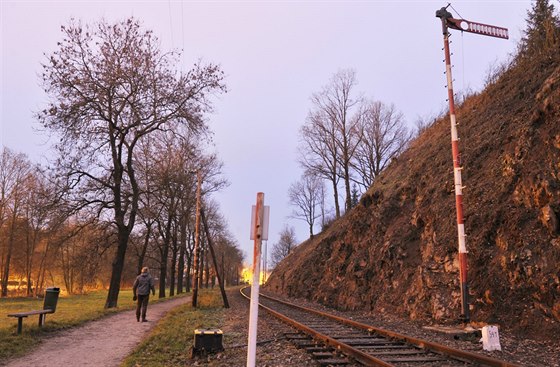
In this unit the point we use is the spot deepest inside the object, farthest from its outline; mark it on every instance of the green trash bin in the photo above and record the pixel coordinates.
(51, 298)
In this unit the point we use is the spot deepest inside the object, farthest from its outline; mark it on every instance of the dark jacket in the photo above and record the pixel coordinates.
(143, 284)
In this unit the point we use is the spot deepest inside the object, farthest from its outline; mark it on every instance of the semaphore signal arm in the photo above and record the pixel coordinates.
(469, 26)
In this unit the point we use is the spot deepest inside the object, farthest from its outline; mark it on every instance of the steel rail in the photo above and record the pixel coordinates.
(363, 357)
(358, 355)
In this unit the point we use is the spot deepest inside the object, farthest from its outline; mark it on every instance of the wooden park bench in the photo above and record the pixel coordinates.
(49, 306)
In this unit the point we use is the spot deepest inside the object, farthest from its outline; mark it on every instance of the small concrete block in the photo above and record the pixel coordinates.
(491, 338)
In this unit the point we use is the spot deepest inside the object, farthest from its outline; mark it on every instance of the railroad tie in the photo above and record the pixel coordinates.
(364, 343)
(304, 344)
(322, 355)
(333, 362)
(415, 359)
(317, 348)
(296, 336)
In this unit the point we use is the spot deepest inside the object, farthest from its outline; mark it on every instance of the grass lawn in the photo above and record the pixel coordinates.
(70, 311)
(172, 338)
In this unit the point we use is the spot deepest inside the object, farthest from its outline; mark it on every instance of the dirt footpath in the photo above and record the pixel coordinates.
(104, 342)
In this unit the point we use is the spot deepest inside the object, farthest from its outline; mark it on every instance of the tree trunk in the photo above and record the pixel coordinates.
(347, 187)
(207, 270)
(181, 261)
(41, 271)
(189, 279)
(223, 270)
(144, 248)
(164, 257)
(66, 270)
(201, 269)
(220, 280)
(30, 246)
(9, 255)
(117, 268)
(173, 265)
(335, 193)
(163, 270)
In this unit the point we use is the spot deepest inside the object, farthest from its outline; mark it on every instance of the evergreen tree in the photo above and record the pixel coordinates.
(542, 35)
(355, 195)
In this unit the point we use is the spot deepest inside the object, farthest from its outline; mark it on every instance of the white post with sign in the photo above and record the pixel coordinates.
(259, 232)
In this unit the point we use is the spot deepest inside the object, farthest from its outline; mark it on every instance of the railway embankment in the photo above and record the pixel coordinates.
(395, 252)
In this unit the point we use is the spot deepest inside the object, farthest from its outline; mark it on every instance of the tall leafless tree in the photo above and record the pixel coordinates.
(15, 169)
(52, 230)
(82, 257)
(170, 164)
(148, 211)
(111, 86)
(38, 204)
(319, 153)
(331, 133)
(307, 196)
(284, 246)
(384, 136)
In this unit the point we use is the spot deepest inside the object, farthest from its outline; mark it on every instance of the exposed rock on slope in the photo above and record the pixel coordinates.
(397, 250)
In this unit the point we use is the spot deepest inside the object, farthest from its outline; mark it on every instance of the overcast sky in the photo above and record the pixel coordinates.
(275, 54)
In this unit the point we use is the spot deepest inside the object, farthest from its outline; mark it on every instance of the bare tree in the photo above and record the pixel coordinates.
(284, 246)
(307, 196)
(423, 123)
(38, 203)
(211, 241)
(169, 201)
(186, 212)
(319, 152)
(110, 87)
(331, 133)
(82, 255)
(170, 162)
(230, 258)
(385, 136)
(52, 230)
(14, 172)
(148, 212)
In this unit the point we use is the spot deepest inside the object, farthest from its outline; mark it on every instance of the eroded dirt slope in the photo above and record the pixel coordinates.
(396, 252)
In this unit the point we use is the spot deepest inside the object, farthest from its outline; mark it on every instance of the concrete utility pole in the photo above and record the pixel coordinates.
(447, 21)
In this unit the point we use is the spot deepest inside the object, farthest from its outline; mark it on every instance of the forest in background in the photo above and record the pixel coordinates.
(44, 242)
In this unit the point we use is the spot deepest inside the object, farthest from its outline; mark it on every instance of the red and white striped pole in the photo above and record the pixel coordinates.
(457, 178)
(447, 21)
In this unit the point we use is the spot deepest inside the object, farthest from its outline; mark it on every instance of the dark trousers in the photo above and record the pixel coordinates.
(142, 305)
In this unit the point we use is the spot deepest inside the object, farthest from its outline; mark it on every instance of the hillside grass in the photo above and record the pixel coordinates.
(71, 311)
(171, 340)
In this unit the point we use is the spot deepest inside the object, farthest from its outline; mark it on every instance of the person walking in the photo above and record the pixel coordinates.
(141, 292)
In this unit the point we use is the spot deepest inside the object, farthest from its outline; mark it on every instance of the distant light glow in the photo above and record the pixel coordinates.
(247, 276)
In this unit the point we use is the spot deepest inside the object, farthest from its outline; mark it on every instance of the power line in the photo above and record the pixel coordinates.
(182, 34)
(455, 10)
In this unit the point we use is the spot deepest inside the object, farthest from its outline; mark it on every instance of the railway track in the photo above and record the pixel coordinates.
(328, 336)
